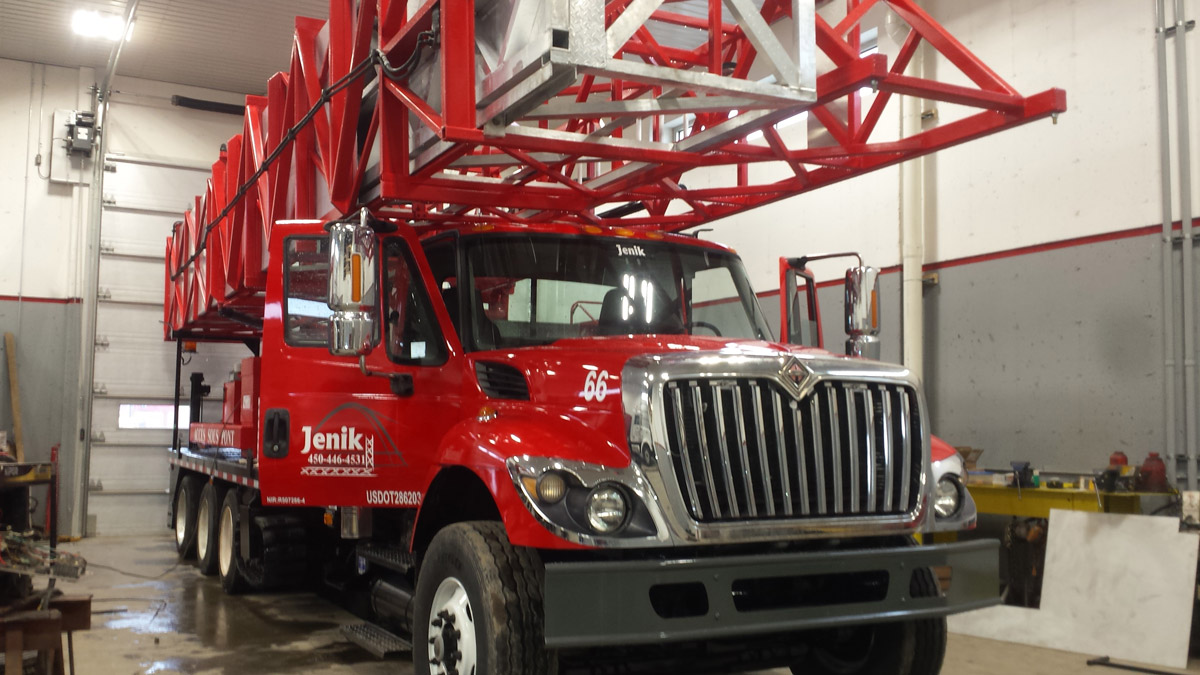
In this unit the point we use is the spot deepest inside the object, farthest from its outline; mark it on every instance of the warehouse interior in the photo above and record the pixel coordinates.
(1035, 281)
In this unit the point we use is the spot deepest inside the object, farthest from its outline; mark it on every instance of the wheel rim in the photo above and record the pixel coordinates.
(180, 517)
(225, 543)
(452, 647)
(202, 528)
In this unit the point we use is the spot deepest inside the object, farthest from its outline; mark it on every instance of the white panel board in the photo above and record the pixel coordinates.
(1116, 585)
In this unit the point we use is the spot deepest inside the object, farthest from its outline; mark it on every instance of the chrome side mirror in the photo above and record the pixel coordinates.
(862, 312)
(353, 287)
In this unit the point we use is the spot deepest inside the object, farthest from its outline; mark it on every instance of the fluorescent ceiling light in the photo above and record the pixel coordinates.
(92, 24)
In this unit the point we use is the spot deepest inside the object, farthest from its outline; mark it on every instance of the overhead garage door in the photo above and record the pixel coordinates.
(134, 376)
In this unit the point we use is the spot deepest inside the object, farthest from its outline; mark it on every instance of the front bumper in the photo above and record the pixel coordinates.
(591, 604)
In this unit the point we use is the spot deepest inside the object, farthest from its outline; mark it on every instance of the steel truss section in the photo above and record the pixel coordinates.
(585, 111)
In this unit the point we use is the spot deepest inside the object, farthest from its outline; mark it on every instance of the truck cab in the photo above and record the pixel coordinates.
(593, 430)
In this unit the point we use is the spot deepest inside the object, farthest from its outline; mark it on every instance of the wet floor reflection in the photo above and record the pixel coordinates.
(265, 633)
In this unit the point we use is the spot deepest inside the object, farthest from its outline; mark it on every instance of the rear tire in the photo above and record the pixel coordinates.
(208, 520)
(479, 606)
(229, 563)
(187, 498)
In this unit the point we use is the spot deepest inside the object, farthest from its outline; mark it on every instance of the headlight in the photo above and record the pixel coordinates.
(606, 509)
(947, 498)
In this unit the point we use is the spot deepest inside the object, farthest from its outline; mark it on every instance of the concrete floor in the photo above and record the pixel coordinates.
(153, 616)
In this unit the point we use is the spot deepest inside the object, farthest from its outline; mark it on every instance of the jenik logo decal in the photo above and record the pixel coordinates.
(351, 441)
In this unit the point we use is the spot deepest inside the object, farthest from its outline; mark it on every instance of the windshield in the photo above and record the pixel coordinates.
(534, 289)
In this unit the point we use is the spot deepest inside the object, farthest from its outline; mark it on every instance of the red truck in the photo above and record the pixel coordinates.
(530, 445)
(500, 405)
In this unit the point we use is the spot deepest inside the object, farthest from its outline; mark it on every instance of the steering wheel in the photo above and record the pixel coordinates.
(703, 324)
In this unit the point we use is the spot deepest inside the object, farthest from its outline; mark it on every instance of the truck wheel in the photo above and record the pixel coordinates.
(187, 498)
(877, 649)
(915, 647)
(930, 648)
(229, 544)
(207, 525)
(479, 606)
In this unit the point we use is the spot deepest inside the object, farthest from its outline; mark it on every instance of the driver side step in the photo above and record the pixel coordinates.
(376, 640)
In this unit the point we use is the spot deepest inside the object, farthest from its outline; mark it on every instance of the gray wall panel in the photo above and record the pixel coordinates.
(47, 336)
(1053, 357)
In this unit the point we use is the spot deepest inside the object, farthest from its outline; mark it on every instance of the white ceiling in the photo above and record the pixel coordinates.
(231, 45)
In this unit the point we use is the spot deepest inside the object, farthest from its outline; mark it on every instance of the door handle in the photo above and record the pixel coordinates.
(275, 433)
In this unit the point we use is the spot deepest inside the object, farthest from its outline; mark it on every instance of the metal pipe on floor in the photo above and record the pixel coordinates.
(1185, 215)
(1170, 349)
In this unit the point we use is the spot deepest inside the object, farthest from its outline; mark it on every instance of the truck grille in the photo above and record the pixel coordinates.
(748, 450)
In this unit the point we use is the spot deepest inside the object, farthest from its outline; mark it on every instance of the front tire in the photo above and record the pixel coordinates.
(187, 498)
(208, 522)
(915, 647)
(229, 527)
(877, 649)
(479, 606)
(930, 634)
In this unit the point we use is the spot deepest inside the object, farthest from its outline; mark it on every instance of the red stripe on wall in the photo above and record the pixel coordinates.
(29, 298)
(1015, 252)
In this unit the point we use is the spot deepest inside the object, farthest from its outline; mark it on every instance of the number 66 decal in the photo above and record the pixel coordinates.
(595, 386)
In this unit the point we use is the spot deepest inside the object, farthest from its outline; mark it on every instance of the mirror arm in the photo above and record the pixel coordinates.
(802, 261)
(400, 383)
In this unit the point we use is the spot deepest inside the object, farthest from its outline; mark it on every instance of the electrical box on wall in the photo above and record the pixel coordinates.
(72, 142)
(81, 133)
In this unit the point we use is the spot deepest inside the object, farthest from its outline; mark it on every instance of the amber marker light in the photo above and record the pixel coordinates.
(530, 484)
(356, 271)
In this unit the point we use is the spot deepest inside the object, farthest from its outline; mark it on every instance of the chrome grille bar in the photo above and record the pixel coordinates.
(723, 446)
(781, 448)
(889, 477)
(871, 443)
(835, 443)
(744, 453)
(702, 434)
(853, 446)
(818, 457)
(906, 444)
(685, 456)
(764, 464)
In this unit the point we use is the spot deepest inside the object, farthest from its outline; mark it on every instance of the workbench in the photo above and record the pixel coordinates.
(1036, 502)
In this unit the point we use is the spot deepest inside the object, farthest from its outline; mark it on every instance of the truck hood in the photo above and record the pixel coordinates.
(578, 382)
(584, 374)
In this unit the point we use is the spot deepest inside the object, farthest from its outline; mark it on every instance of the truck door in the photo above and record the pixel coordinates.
(799, 311)
(338, 431)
